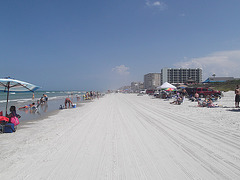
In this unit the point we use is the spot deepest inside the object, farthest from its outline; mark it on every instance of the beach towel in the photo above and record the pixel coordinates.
(3, 119)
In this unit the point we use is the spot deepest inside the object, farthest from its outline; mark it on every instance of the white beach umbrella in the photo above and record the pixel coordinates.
(13, 85)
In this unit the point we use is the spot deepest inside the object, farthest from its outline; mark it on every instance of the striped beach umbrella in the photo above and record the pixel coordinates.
(13, 85)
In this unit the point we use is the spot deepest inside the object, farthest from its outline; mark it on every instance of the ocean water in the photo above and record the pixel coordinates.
(55, 99)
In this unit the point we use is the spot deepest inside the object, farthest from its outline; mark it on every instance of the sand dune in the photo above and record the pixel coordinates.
(125, 136)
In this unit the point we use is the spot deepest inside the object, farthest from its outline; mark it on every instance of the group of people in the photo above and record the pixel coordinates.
(87, 96)
(91, 95)
(179, 97)
(207, 102)
(34, 106)
(43, 99)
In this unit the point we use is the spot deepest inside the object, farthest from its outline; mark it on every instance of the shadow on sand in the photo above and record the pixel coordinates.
(234, 110)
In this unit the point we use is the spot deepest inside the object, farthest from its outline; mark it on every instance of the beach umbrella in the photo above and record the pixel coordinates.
(182, 86)
(13, 85)
(170, 89)
(166, 85)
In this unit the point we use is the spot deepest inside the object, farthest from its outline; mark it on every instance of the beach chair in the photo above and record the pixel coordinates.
(6, 126)
(3, 121)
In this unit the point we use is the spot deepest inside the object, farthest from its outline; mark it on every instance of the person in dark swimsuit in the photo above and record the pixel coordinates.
(237, 96)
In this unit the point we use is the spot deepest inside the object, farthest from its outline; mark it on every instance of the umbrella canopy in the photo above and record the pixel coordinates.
(13, 85)
(166, 85)
(170, 89)
(182, 86)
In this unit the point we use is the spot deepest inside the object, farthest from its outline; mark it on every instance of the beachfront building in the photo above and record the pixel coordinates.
(124, 89)
(179, 75)
(152, 80)
(218, 79)
(137, 86)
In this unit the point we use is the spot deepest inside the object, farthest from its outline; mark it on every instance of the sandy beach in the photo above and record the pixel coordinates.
(125, 136)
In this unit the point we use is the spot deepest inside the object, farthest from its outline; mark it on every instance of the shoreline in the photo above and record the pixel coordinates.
(47, 115)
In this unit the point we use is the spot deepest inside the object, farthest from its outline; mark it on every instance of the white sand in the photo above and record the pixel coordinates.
(125, 136)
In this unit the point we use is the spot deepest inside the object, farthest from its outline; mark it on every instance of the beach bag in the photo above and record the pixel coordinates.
(14, 120)
(9, 128)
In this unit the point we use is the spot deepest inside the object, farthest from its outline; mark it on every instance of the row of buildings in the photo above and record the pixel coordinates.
(173, 76)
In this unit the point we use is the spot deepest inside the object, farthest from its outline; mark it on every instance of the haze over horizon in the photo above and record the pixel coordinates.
(100, 45)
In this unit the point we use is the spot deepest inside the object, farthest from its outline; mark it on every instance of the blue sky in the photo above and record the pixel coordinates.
(104, 44)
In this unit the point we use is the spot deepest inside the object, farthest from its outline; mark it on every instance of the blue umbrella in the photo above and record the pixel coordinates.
(13, 85)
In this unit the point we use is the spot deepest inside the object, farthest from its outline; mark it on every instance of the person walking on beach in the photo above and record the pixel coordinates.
(69, 102)
(237, 96)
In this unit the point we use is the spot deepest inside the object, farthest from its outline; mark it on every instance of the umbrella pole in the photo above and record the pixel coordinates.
(7, 97)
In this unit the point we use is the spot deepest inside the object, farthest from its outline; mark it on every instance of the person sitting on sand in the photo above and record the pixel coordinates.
(61, 107)
(178, 101)
(13, 113)
(69, 102)
(196, 95)
(203, 103)
(211, 105)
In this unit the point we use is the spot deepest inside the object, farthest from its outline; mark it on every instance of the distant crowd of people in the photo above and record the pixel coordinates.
(91, 95)
(87, 96)
(180, 95)
(203, 101)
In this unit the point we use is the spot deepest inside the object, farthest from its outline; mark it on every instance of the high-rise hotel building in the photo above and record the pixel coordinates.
(179, 75)
(152, 80)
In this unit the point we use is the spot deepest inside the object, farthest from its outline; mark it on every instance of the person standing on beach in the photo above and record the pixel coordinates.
(237, 96)
(45, 97)
(184, 94)
(69, 102)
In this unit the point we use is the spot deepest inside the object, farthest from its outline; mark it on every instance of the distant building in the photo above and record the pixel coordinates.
(125, 89)
(137, 86)
(152, 80)
(218, 79)
(180, 75)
